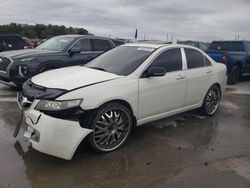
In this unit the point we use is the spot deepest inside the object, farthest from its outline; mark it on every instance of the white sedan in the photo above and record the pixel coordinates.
(128, 86)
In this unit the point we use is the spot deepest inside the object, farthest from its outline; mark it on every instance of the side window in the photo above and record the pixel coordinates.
(101, 45)
(83, 44)
(207, 62)
(194, 58)
(170, 60)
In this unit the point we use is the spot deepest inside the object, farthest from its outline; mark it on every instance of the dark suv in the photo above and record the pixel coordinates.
(61, 51)
(11, 42)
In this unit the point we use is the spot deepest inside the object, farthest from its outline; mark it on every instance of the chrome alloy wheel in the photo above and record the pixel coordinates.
(111, 129)
(212, 100)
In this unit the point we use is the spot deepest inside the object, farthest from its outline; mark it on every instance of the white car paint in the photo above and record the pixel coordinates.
(150, 98)
(72, 77)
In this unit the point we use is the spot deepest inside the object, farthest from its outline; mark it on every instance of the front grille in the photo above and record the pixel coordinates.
(4, 63)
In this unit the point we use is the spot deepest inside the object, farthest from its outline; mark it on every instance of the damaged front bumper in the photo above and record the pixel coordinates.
(53, 136)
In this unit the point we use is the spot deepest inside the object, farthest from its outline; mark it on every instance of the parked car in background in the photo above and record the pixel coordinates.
(28, 43)
(128, 86)
(154, 42)
(198, 44)
(234, 54)
(118, 42)
(57, 52)
(12, 42)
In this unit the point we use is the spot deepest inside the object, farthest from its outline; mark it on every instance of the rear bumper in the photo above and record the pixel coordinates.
(57, 137)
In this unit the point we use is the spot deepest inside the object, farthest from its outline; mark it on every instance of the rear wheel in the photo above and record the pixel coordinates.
(234, 75)
(112, 125)
(211, 101)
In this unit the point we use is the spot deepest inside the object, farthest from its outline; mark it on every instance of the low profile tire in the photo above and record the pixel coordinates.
(234, 75)
(112, 125)
(211, 101)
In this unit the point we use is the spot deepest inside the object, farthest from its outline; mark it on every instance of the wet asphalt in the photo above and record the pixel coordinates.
(187, 150)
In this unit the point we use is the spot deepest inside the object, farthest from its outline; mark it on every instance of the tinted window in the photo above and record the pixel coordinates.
(13, 42)
(101, 45)
(207, 62)
(194, 58)
(170, 60)
(226, 46)
(121, 60)
(83, 44)
(117, 42)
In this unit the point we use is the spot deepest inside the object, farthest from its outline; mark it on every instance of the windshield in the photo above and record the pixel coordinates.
(226, 46)
(122, 60)
(56, 43)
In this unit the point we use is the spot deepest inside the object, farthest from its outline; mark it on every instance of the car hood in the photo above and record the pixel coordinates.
(19, 54)
(72, 77)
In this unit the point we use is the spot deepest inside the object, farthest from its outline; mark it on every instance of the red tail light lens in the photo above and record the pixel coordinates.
(224, 58)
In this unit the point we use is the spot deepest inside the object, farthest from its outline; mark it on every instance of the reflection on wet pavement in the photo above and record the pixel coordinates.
(166, 153)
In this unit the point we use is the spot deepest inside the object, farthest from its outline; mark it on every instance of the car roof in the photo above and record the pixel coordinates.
(77, 36)
(10, 35)
(147, 45)
(156, 46)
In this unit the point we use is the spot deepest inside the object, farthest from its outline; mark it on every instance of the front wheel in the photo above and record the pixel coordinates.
(211, 101)
(112, 125)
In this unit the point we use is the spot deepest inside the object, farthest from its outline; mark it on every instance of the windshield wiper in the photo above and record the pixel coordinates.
(98, 68)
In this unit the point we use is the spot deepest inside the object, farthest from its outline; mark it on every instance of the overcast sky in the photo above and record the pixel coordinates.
(184, 19)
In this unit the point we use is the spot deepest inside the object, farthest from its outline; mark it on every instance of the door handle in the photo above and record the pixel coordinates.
(180, 77)
(209, 71)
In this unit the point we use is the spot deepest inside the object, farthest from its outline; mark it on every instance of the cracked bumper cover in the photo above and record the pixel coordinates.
(57, 137)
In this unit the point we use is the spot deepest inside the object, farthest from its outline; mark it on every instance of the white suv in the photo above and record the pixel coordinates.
(128, 86)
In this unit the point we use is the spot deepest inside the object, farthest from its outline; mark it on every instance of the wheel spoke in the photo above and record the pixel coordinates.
(111, 129)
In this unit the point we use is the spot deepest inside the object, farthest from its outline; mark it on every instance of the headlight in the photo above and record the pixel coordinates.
(28, 59)
(23, 70)
(46, 105)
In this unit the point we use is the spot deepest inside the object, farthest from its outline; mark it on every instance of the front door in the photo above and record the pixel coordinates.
(160, 95)
(85, 55)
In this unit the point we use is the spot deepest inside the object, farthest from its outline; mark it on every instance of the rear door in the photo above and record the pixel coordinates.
(199, 71)
(159, 95)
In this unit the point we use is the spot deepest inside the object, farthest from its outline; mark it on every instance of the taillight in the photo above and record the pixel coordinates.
(25, 47)
(224, 58)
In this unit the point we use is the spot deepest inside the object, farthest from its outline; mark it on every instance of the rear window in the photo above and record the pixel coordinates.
(14, 41)
(227, 46)
(101, 45)
(117, 42)
(11, 43)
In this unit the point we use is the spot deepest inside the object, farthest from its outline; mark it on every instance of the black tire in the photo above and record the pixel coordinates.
(234, 75)
(112, 124)
(211, 101)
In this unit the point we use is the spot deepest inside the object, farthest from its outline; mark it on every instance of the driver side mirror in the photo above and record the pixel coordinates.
(155, 72)
(74, 50)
